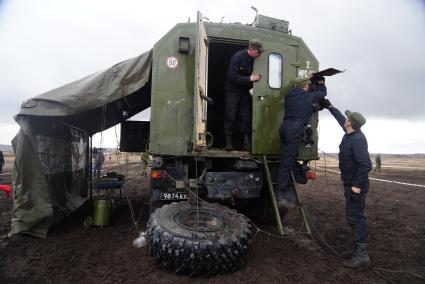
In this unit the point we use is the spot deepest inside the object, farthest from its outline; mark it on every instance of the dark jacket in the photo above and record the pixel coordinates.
(354, 160)
(299, 104)
(238, 73)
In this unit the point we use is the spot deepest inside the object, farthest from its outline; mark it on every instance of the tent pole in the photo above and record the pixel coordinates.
(90, 169)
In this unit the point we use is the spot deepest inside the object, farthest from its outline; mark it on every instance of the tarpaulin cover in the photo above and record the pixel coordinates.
(51, 175)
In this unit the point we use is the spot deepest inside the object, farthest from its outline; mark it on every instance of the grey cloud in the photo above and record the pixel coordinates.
(381, 44)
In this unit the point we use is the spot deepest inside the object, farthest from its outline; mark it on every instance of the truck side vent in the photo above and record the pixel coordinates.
(184, 45)
(272, 24)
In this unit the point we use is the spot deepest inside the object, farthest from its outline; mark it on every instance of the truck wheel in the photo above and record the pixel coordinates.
(203, 239)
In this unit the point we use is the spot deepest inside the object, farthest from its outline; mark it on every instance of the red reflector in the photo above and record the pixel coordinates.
(310, 175)
(6, 189)
(157, 174)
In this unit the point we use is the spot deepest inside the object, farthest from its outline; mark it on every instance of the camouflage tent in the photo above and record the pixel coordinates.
(51, 172)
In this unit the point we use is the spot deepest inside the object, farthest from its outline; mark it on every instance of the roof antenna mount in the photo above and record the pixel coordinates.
(256, 14)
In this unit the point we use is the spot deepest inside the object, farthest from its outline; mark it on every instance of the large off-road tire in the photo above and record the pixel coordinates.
(203, 239)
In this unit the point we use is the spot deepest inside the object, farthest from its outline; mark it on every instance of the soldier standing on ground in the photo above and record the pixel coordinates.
(99, 158)
(145, 159)
(355, 165)
(238, 102)
(378, 162)
(1, 161)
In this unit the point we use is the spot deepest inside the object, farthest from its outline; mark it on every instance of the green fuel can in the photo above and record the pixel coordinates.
(102, 212)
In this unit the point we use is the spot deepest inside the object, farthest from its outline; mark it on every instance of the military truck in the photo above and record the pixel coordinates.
(209, 233)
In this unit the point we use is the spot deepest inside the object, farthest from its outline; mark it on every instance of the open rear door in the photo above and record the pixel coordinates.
(276, 67)
(200, 104)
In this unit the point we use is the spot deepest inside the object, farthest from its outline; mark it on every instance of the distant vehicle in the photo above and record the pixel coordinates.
(185, 138)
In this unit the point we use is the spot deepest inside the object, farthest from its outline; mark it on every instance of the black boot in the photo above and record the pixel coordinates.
(361, 259)
(228, 142)
(287, 198)
(246, 142)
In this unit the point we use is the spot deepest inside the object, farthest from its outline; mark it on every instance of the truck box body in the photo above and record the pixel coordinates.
(184, 124)
(189, 69)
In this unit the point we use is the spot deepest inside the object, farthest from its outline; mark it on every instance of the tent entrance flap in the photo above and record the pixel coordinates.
(52, 176)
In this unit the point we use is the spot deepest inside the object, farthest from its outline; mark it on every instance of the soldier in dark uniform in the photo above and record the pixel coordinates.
(378, 162)
(355, 165)
(238, 102)
(298, 110)
(1, 161)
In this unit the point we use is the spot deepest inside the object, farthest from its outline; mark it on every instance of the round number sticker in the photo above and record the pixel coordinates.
(172, 62)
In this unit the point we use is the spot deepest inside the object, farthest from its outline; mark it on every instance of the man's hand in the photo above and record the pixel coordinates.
(255, 77)
(356, 190)
(325, 103)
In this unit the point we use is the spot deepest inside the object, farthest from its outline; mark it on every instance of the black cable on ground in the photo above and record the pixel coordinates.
(400, 271)
(384, 277)
(376, 270)
(135, 222)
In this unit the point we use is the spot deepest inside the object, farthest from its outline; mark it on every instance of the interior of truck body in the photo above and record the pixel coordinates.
(219, 53)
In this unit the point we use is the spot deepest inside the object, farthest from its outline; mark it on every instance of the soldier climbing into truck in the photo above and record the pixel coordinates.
(298, 112)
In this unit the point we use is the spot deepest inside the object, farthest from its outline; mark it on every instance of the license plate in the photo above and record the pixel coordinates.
(173, 195)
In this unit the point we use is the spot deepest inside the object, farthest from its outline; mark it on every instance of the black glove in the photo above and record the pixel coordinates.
(317, 107)
(316, 79)
(325, 103)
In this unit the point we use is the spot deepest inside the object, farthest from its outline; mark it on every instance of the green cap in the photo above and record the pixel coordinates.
(356, 118)
(256, 44)
(301, 81)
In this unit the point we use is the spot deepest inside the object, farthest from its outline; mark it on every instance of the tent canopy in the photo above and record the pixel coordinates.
(82, 103)
(51, 174)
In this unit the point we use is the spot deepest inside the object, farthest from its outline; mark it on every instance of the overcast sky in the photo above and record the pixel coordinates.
(47, 43)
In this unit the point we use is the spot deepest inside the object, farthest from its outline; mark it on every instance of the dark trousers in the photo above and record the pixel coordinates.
(238, 105)
(354, 212)
(291, 134)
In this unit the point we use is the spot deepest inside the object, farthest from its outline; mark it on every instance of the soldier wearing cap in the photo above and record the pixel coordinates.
(238, 103)
(378, 162)
(355, 165)
(1, 161)
(298, 110)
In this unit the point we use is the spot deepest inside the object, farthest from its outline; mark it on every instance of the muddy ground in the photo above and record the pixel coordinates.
(396, 214)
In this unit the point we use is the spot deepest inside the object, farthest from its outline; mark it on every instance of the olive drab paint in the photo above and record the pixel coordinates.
(180, 82)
